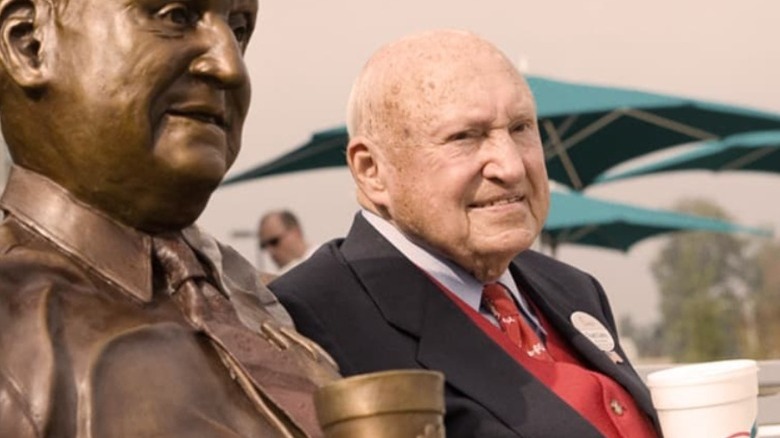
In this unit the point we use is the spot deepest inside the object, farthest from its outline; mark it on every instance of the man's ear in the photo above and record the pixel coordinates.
(21, 45)
(367, 170)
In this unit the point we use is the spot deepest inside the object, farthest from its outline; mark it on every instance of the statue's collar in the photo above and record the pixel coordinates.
(117, 253)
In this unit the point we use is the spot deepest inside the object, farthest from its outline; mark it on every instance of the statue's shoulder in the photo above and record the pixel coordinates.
(29, 275)
(31, 263)
(236, 276)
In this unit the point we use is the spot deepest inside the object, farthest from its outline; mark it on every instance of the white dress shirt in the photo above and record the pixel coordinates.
(464, 285)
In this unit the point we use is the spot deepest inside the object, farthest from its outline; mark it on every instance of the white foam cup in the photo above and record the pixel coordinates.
(708, 400)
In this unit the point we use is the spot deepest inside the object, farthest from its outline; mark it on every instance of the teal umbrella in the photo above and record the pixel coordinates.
(589, 129)
(754, 151)
(583, 220)
(325, 149)
(585, 130)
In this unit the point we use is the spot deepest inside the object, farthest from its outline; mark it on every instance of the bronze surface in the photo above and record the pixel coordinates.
(385, 404)
(122, 117)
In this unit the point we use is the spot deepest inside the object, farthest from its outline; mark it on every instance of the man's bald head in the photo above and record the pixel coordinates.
(402, 79)
(444, 144)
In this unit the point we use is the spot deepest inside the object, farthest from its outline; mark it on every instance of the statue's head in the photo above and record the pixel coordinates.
(135, 106)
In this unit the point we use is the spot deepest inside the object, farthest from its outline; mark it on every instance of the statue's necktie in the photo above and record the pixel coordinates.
(512, 323)
(266, 362)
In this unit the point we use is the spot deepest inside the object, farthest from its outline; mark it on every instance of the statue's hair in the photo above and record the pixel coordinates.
(57, 5)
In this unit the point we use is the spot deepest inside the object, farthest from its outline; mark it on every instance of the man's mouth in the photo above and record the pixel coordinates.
(497, 202)
(213, 118)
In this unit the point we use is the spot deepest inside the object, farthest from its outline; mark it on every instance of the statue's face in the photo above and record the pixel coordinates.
(151, 97)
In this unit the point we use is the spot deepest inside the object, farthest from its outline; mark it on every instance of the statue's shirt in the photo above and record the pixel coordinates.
(91, 345)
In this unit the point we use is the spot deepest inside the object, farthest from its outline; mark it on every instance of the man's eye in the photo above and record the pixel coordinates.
(463, 135)
(240, 33)
(240, 25)
(522, 127)
(178, 14)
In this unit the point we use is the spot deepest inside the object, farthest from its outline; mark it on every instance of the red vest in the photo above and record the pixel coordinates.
(596, 397)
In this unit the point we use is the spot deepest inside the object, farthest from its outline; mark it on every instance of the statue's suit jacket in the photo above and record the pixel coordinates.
(372, 309)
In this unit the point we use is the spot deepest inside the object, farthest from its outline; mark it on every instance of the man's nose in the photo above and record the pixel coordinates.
(222, 60)
(504, 159)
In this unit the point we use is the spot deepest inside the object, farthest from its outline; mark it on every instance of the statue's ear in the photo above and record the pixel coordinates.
(21, 36)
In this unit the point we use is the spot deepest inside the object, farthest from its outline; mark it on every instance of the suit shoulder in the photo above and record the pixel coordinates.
(325, 269)
(554, 276)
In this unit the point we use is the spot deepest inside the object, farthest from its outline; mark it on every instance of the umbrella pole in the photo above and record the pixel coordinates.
(555, 140)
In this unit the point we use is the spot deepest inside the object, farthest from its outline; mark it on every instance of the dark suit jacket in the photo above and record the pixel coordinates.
(372, 309)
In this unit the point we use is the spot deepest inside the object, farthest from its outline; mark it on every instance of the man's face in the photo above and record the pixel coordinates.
(283, 244)
(468, 177)
(151, 97)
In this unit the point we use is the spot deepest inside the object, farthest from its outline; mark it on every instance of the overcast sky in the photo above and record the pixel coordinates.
(305, 54)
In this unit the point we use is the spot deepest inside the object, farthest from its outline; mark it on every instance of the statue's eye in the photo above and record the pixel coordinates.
(178, 14)
(241, 27)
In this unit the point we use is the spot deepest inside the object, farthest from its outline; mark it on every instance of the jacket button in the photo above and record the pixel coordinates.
(616, 407)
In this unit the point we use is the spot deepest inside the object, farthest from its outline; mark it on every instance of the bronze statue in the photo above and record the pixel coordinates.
(118, 317)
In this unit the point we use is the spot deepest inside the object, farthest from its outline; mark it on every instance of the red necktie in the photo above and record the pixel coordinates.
(517, 329)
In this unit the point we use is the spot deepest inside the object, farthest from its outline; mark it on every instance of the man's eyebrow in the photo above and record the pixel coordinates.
(246, 5)
(249, 9)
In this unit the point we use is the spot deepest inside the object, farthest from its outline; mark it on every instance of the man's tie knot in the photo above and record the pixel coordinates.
(497, 298)
(512, 323)
(177, 260)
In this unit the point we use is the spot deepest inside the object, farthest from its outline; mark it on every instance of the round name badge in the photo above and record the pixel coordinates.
(593, 330)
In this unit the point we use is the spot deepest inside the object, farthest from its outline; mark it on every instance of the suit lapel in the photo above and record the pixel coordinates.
(450, 342)
(558, 304)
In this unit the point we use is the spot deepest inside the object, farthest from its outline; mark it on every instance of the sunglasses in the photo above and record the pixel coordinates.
(272, 242)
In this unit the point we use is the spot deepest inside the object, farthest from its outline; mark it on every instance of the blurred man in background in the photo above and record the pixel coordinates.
(281, 236)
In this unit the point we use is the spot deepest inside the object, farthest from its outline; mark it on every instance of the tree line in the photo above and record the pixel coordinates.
(719, 295)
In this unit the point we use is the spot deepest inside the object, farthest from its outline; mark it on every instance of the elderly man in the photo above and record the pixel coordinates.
(281, 236)
(436, 272)
(118, 318)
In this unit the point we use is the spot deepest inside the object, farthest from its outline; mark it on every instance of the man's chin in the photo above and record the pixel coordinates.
(486, 264)
(506, 245)
(203, 173)
(171, 220)
(176, 207)
(194, 161)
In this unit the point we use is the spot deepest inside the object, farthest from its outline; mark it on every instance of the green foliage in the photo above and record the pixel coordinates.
(719, 296)
(765, 304)
(702, 281)
(646, 337)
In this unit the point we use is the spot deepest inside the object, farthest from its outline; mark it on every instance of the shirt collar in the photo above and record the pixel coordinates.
(117, 253)
(456, 279)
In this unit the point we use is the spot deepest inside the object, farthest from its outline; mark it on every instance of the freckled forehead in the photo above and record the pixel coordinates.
(423, 72)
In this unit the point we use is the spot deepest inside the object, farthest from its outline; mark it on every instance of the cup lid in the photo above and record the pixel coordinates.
(704, 384)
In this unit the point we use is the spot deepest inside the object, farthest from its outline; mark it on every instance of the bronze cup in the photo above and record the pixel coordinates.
(387, 404)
